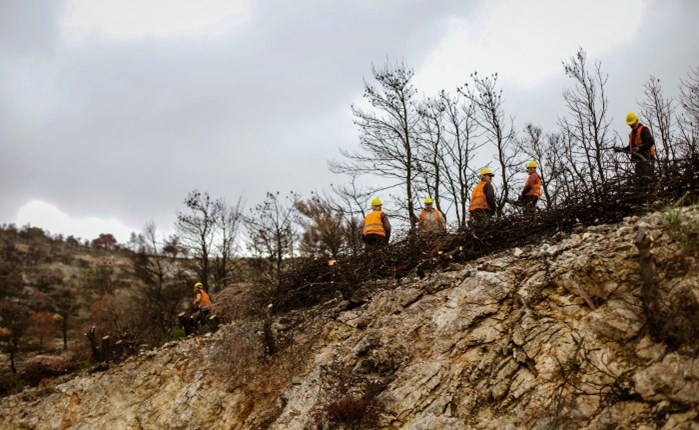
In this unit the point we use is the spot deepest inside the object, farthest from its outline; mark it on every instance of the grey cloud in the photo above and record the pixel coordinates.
(126, 129)
(28, 27)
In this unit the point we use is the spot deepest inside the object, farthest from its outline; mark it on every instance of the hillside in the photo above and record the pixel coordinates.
(595, 329)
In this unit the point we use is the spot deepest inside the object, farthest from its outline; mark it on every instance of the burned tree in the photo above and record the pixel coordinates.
(388, 133)
(658, 111)
(460, 144)
(66, 304)
(10, 264)
(548, 152)
(161, 290)
(197, 229)
(490, 117)
(586, 129)
(429, 166)
(209, 232)
(324, 229)
(228, 220)
(689, 119)
(271, 234)
(14, 319)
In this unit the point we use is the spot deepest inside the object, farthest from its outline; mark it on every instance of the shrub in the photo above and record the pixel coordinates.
(677, 324)
(670, 307)
(174, 334)
(10, 383)
(349, 400)
(41, 370)
(681, 229)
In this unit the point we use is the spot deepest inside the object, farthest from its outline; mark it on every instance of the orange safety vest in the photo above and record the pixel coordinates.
(373, 224)
(478, 200)
(437, 217)
(534, 181)
(635, 140)
(425, 212)
(205, 300)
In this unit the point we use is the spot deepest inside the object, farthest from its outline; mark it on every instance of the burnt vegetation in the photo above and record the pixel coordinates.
(315, 280)
(289, 253)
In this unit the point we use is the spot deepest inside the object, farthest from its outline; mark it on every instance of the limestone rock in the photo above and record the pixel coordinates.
(551, 336)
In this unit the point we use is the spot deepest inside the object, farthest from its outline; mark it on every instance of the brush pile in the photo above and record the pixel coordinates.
(315, 281)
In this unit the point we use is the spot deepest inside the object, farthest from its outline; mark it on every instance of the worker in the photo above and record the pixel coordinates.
(431, 219)
(482, 206)
(201, 305)
(531, 193)
(376, 229)
(642, 149)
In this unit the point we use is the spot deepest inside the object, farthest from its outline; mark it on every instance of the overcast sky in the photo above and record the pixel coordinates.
(112, 111)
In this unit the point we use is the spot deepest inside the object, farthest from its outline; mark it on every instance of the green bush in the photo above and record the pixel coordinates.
(682, 230)
(174, 334)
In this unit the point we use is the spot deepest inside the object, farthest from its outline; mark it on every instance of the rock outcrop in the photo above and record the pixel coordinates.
(552, 336)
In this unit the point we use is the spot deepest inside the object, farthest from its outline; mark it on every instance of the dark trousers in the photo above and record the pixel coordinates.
(374, 241)
(644, 171)
(529, 205)
(200, 317)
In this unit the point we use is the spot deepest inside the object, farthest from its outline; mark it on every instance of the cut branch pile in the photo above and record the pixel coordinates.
(315, 281)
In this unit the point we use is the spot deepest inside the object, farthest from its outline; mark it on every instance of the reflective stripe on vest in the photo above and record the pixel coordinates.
(478, 200)
(635, 140)
(534, 181)
(373, 224)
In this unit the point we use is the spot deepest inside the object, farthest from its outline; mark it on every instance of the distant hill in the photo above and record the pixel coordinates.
(52, 290)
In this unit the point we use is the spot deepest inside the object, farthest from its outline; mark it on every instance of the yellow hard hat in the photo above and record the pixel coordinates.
(631, 118)
(428, 201)
(532, 164)
(198, 285)
(486, 171)
(376, 202)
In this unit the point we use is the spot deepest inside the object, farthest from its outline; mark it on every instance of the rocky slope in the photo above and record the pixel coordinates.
(584, 331)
